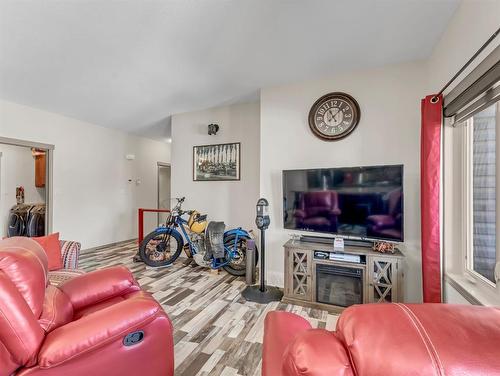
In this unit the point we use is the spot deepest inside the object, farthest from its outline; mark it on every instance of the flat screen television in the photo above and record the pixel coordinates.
(354, 202)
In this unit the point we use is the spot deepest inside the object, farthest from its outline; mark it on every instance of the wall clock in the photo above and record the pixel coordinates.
(334, 116)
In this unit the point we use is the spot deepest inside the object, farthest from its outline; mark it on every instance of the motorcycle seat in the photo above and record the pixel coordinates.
(201, 218)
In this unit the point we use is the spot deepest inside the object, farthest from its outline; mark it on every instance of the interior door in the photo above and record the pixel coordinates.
(163, 190)
(25, 187)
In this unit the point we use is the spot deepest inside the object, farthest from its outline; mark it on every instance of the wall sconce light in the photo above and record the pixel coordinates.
(213, 129)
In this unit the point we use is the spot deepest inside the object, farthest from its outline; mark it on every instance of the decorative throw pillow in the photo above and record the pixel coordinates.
(50, 244)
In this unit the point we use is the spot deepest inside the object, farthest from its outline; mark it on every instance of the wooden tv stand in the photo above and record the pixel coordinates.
(382, 273)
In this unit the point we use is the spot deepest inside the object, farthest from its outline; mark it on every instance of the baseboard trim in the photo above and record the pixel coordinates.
(93, 249)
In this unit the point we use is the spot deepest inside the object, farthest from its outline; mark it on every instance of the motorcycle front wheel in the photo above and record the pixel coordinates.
(237, 266)
(161, 248)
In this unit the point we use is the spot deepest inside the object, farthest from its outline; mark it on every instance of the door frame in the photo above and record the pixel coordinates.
(158, 166)
(49, 161)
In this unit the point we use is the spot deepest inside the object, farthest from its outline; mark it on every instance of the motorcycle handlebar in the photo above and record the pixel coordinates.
(177, 206)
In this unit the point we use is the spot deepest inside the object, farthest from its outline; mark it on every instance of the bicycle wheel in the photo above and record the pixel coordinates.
(237, 266)
(161, 248)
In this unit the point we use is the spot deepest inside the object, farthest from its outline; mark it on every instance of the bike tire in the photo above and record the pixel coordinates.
(228, 240)
(151, 236)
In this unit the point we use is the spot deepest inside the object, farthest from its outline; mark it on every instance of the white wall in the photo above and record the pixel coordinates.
(473, 23)
(93, 201)
(388, 133)
(17, 168)
(230, 201)
(471, 26)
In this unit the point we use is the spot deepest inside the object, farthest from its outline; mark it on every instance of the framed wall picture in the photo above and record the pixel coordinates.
(216, 162)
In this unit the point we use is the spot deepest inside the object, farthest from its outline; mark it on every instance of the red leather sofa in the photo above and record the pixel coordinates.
(386, 340)
(99, 323)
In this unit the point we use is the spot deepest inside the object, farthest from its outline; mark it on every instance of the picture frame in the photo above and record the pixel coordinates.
(217, 162)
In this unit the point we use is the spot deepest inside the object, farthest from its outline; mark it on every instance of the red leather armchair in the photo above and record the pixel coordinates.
(99, 323)
(388, 340)
(318, 211)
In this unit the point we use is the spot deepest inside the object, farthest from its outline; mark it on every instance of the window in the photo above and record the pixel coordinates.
(471, 185)
(481, 194)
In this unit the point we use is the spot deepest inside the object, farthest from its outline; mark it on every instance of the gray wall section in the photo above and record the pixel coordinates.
(230, 201)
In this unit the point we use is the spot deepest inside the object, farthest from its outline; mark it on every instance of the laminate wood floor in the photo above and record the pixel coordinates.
(216, 331)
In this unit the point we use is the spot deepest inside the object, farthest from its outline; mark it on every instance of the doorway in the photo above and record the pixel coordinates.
(25, 188)
(163, 190)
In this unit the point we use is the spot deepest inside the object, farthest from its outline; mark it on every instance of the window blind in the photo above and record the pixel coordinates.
(478, 90)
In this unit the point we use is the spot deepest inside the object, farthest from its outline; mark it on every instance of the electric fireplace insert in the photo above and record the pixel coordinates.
(339, 285)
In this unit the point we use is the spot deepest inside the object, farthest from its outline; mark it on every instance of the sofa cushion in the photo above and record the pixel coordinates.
(70, 252)
(52, 248)
(23, 268)
(24, 262)
(20, 333)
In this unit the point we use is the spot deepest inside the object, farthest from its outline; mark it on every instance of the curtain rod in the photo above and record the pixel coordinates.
(434, 98)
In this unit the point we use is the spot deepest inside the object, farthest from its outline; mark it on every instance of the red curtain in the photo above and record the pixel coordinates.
(430, 178)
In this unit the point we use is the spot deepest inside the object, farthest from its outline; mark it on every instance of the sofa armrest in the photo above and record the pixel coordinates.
(316, 352)
(280, 328)
(334, 212)
(299, 213)
(70, 253)
(97, 330)
(381, 221)
(98, 286)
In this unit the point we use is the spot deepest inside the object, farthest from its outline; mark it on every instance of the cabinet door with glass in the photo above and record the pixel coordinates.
(383, 279)
(299, 274)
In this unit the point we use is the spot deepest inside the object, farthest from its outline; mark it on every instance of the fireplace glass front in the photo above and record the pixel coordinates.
(339, 285)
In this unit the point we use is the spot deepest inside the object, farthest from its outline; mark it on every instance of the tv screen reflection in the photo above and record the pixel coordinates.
(361, 202)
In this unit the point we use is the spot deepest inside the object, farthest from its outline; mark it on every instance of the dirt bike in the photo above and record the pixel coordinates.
(209, 245)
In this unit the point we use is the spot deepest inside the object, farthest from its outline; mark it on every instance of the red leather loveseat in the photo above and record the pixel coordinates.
(386, 340)
(99, 323)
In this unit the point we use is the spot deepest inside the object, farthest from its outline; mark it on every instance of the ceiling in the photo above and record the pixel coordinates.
(130, 65)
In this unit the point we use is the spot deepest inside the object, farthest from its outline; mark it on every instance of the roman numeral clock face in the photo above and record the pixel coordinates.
(334, 116)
